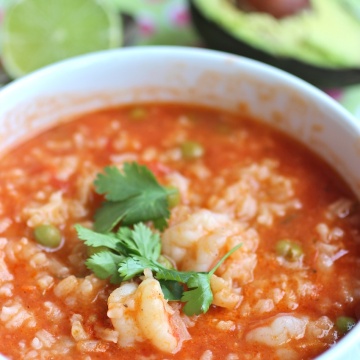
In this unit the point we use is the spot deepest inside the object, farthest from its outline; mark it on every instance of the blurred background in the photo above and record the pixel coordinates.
(317, 40)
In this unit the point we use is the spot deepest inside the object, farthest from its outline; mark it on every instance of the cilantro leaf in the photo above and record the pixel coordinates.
(172, 290)
(141, 241)
(132, 196)
(109, 215)
(119, 186)
(104, 264)
(160, 223)
(199, 298)
(95, 239)
(133, 266)
(163, 273)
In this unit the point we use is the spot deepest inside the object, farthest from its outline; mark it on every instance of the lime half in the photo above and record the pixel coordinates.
(39, 32)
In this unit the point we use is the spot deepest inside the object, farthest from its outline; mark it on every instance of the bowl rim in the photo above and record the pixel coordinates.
(174, 51)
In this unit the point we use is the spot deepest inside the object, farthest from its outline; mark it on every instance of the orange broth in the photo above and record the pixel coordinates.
(152, 136)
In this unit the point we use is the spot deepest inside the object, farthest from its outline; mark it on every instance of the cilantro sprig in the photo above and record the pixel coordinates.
(128, 252)
(132, 196)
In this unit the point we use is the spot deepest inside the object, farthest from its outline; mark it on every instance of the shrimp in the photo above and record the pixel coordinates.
(194, 244)
(281, 330)
(140, 312)
(121, 304)
(198, 242)
(224, 295)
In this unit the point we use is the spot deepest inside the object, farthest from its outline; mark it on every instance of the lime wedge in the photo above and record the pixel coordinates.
(39, 32)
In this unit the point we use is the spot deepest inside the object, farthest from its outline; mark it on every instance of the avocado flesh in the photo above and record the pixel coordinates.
(327, 35)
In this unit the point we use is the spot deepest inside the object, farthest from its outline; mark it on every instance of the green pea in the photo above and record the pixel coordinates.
(137, 113)
(173, 196)
(48, 235)
(288, 249)
(165, 262)
(345, 323)
(191, 150)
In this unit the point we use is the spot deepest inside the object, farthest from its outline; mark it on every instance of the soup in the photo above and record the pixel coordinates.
(287, 225)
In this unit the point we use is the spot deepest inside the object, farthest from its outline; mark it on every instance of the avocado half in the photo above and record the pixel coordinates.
(215, 36)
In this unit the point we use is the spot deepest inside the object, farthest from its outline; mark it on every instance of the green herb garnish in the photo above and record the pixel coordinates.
(132, 196)
(129, 252)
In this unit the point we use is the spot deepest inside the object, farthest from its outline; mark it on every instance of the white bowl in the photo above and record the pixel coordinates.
(57, 92)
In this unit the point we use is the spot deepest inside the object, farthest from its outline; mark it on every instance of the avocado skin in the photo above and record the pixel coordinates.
(215, 37)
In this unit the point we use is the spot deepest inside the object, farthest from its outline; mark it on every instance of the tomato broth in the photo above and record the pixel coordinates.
(289, 292)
